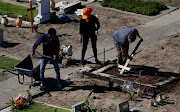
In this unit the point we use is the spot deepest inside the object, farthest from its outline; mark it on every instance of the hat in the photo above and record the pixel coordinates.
(87, 13)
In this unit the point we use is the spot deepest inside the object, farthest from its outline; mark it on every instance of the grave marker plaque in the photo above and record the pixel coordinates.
(123, 107)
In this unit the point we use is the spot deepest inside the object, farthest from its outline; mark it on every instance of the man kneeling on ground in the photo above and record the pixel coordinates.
(122, 39)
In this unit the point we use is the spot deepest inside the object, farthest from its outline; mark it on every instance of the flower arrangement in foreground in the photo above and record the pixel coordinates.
(22, 101)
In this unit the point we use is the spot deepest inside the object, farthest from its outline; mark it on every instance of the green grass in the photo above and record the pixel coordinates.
(13, 10)
(137, 6)
(37, 107)
(7, 63)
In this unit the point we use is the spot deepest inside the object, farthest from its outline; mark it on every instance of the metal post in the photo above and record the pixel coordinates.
(140, 73)
(104, 57)
(31, 16)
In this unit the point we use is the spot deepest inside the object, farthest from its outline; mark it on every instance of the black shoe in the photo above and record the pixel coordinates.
(42, 87)
(97, 61)
(82, 62)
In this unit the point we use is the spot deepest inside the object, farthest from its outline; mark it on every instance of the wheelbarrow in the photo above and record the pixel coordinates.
(30, 67)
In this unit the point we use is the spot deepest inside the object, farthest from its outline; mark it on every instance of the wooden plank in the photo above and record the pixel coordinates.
(127, 62)
(166, 81)
(123, 67)
(119, 79)
(31, 9)
(102, 69)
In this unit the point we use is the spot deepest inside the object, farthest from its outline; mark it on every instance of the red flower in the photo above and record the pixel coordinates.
(19, 97)
(145, 87)
(20, 102)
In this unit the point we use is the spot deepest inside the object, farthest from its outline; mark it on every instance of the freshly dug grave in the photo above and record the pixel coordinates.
(151, 77)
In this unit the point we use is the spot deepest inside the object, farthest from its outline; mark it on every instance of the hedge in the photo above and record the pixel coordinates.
(137, 6)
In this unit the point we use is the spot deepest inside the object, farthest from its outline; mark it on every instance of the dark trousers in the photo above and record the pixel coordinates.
(120, 57)
(85, 39)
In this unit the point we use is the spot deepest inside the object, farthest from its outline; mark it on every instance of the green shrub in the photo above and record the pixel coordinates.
(13, 10)
(137, 6)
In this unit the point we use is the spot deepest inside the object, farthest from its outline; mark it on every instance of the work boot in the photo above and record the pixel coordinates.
(97, 61)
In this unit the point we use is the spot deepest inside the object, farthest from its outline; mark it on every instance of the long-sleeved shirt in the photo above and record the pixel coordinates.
(89, 27)
(121, 36)
(51, 46)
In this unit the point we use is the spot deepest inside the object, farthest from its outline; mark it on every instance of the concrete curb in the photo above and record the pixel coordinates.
(8, 108)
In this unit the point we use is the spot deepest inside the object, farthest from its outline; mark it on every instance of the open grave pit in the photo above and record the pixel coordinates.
(139, 76)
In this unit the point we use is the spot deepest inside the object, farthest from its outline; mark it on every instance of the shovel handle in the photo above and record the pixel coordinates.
(44, 55)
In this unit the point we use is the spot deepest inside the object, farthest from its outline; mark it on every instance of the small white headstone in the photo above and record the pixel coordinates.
(91, 0)
(1, 36)
(43, 11)
(79, 12)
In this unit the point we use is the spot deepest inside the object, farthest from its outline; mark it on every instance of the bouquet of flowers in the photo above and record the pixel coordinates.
(21, 101)
(144, 91)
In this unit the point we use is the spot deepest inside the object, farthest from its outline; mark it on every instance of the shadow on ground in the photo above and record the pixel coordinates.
(7, 44)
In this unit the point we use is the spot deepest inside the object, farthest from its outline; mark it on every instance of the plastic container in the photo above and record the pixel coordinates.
(4, 20)
(151, 102)
(19, 21)
(138, 92)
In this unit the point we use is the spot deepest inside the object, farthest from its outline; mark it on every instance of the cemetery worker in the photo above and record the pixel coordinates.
(122, 38)
(51, 47)
(89, 26)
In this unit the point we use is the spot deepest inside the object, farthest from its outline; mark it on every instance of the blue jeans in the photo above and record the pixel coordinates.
(42, 69)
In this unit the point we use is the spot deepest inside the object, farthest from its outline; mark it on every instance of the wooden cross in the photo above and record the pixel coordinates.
(31, 14)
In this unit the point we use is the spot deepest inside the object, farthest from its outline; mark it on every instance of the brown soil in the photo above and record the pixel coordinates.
(20, 42)
(105, 98)
(150, 78)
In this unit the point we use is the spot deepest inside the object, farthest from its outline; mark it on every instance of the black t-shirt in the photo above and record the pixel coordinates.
(89, 27)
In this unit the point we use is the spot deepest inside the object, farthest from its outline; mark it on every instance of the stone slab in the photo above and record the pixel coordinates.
(71, 7)
(123, 107)
(77, 107)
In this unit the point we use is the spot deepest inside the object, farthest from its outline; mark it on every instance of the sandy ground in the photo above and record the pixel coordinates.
(106, 99)
(160, 55)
